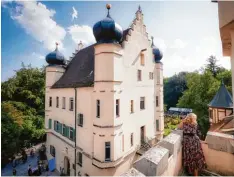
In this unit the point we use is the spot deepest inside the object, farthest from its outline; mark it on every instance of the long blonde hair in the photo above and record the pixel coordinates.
(191, 118)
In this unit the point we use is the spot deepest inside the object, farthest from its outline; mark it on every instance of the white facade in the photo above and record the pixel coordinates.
(226, 25)
(115, 78)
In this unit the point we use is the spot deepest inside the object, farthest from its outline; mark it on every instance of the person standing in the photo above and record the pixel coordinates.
(193, 157)
(14, 172)
(29, 170)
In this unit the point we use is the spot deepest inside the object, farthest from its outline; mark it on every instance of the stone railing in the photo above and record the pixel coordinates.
(218, 150)
(165, 159)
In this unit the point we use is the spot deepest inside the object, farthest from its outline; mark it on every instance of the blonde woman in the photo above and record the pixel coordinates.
(193, 158)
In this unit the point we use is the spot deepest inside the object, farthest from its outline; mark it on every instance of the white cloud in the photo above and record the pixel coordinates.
(37, 20)
(175, 62)
(179, 44)
(74, 13)
(37, 56)
(81, 33)
(160, 43)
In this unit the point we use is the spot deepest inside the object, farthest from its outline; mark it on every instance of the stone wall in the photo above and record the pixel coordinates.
(165, 159)
(219, 153)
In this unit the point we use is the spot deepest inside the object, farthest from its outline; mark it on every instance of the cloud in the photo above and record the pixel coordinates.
(191, 59)
(179, 44)
(160, 43)
(37, 56)
(74, 13)
(81, 33)
(37, 20)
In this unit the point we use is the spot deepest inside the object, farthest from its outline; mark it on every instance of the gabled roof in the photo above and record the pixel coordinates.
(80, 70)
(222, 99)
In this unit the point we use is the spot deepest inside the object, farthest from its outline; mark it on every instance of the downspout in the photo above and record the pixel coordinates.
(75, 126)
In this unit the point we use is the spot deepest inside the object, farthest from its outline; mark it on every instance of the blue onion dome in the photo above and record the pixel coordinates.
(55, 57)
(157, 52)
(107, 31)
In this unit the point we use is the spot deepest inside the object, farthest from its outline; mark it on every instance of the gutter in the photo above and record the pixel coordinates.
(75, 125)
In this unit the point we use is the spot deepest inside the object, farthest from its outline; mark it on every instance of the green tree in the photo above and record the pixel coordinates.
(213, 67)
(173, 89)
(201, 89)
(23, 98)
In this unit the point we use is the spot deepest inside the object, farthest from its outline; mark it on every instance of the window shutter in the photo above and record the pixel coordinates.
(60, 128)
(55, 125)
(67, 131)
(50, 123)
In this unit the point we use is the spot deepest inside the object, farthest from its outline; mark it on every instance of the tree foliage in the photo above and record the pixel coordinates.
(173, 89)
(196, 89)
(201, 90)
(22, 109)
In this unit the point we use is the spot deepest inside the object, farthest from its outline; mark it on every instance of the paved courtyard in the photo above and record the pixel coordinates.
(22, 169)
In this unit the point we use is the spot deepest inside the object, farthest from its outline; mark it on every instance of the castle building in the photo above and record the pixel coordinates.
(106, 102)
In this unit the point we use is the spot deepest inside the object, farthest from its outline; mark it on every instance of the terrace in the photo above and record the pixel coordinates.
(165, 159)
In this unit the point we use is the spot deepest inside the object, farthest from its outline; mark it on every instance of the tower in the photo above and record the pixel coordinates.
(54, 70)
(158, 94)
(108, 75)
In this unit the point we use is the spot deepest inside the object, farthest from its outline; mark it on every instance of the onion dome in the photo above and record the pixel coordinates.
(55, 57)
(157, 52)
(107, 30)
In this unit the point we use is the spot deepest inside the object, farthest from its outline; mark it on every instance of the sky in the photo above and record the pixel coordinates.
(186, 32)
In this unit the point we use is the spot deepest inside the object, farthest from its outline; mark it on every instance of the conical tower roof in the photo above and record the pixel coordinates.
(222, 99)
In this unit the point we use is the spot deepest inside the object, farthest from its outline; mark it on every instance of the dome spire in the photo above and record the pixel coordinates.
(107, 30)
(56, 48)
(108, 6)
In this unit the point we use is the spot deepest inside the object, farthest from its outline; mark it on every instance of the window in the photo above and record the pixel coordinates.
(98, 108)
(52, 150)
(56, 125)
(131, 139)
(57, 102)
(80, 158)
(142, 103)
(117, 108)
(151, 75)
(50, 102)
(123, 143)
(107, 151)
(139, 75)
(157, 125)
(64, 130)
(50, 123)
(156, 101)
(132, 106)
(80, 120)
(142, 59)
(64, 103)
(71, 104)
(71, 133)
(211, 113)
